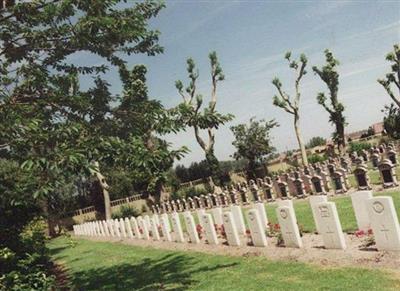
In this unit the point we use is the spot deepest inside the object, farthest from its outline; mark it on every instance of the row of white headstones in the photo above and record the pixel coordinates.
(376, 213)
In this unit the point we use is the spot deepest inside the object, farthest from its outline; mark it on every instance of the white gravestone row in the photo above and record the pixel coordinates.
(376, 213)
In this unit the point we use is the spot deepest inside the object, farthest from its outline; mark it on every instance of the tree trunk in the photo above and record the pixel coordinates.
(300, 141)
(251, 169)
(213, 163)
(341, 138)
(102, 187)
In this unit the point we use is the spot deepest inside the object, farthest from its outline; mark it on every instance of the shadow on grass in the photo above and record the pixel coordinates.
(170, 272)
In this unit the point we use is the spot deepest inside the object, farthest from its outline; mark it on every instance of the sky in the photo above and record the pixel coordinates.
(251, 38)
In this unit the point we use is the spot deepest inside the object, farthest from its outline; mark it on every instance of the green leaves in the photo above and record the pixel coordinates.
(330, 77)
(253, 141)
(393, 77)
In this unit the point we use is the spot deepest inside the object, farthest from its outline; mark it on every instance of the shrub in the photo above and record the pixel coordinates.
(190, 192)
(315, 158)
(316, 141)
(358, 147)
(126, 211)
(28, 268)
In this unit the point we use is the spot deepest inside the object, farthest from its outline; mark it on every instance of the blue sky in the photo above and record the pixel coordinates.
(251, 38)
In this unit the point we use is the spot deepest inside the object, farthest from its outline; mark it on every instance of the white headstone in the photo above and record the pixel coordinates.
(128, 227)
(154, 229)
(135, 228)
(116, 228)
(231, 232)
(164, 227)
(200, 212)
(143, 226)
(263, 214)
(288, 224)
(358, 200)
(176, 226)
(100, 224)
(287, 203)
(314, 200)
(328, 219)
(217, 215)
(147, 221)
(166, 220)
(111, 227)
(191, 227)
(384, 223)
(238, 217)
(155, 216)
(256, 228)
(122, 227)
(105, 227)
(209, 229)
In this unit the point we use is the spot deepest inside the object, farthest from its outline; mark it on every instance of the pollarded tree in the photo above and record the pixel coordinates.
(394, 76)
(208, 118)
(330, 76)
(253, 142)
(291, 105)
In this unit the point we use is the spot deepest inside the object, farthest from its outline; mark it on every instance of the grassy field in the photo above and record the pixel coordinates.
(113, 266)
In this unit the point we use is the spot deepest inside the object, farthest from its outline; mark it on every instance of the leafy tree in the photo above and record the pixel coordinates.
(391, 121)
(291, 106)
(207, 119)
(53, 131)
(330, 76)
(393, 78)
(253, 142)
(315, 141)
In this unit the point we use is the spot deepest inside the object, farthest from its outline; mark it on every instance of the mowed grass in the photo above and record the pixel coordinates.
(112, 266)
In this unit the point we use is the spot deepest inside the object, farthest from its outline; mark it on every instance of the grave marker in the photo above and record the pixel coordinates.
(314, 201)
(384, 223)
(128, 227)
(191, 227)
(256, 230)
(358, 200)
(238, 218)
(217, 215)
(122, 227)
(176, 226)
(166, 234)
(231, 232)
(154, 229)
(331, 230)
(135, 228)
(288, 224)
(209, 229)
(262, 213)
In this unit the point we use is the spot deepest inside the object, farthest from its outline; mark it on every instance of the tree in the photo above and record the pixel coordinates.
(394, 76)
(316, 141)
(291, 106)
(391, 121)
(330, 76)
(208, 119)
(253, 142)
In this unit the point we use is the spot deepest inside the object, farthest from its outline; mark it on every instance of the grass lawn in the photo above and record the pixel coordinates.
(113, 266)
